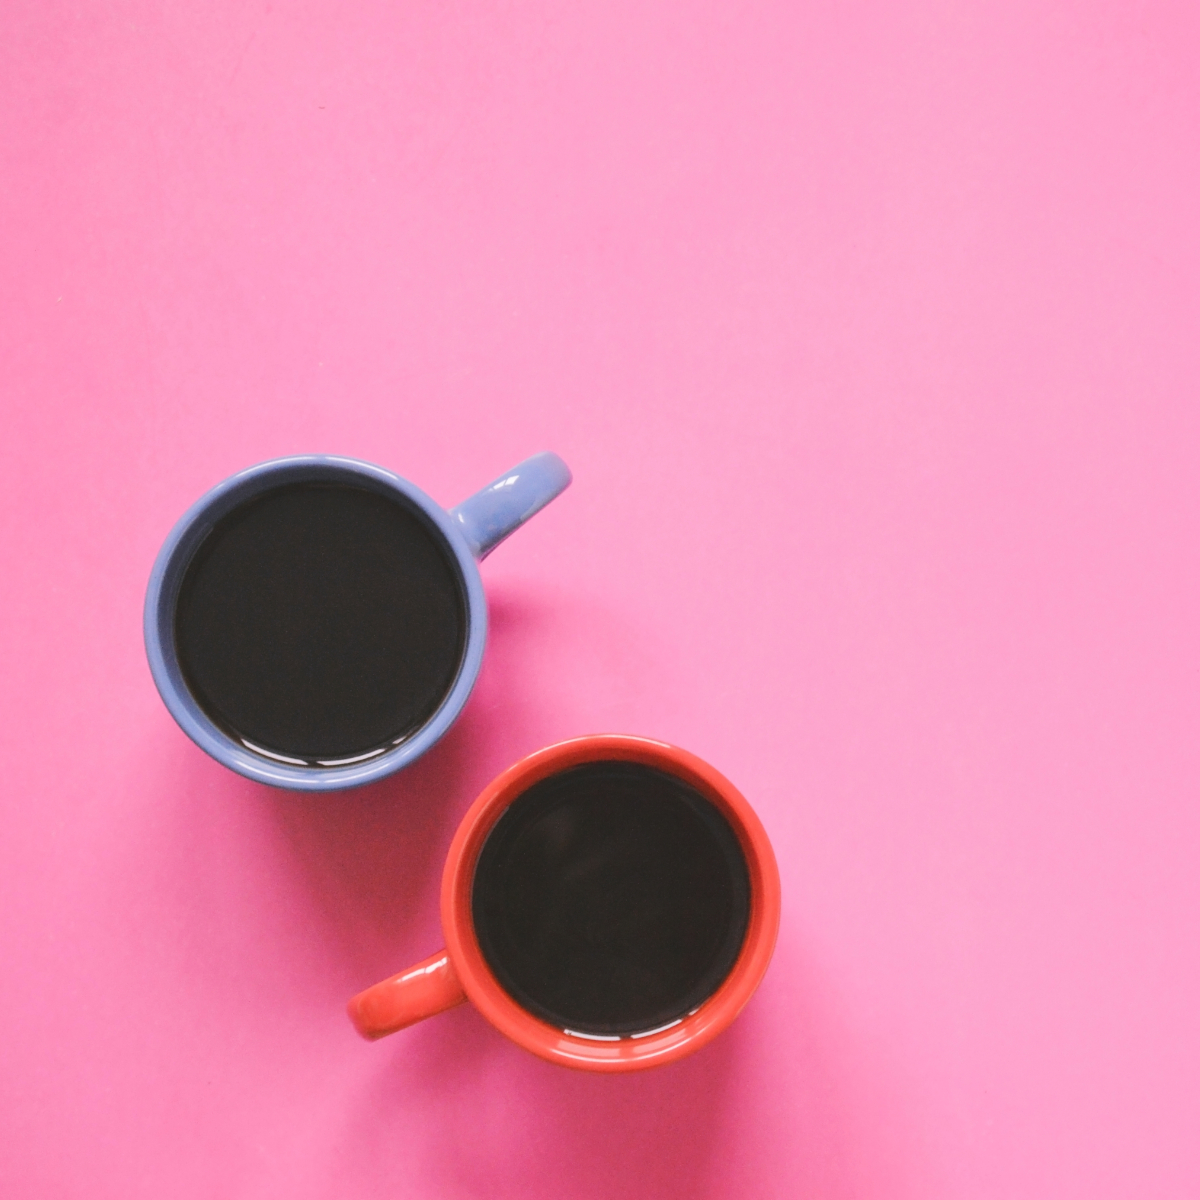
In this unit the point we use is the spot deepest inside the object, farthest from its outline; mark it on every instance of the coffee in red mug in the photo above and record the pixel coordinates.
(609, 903)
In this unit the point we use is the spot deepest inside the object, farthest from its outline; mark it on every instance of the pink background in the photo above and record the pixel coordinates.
(872, 340)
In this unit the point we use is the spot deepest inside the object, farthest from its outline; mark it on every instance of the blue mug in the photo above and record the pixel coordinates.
(468, 534)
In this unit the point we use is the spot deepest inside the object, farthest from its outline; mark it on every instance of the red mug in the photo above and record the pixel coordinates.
(460, 972)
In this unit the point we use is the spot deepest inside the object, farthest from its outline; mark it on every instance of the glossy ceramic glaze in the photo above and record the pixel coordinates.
(459, 972)
(470, 532)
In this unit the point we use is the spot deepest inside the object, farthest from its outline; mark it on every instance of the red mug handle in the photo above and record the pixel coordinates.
(422, 991)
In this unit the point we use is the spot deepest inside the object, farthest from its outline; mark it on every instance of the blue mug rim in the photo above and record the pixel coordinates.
(163, 590)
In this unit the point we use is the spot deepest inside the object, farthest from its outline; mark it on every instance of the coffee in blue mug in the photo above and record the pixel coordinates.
(319, 622)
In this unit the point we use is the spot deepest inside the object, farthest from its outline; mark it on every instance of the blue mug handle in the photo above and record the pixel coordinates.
(489, 516)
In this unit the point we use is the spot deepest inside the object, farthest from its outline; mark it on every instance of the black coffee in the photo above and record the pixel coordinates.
(321, 622)
(611, 899)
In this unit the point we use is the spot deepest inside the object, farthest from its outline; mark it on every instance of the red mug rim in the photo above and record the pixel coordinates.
(629, 1052)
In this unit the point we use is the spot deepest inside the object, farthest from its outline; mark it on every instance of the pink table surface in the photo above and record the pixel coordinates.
(872, 339)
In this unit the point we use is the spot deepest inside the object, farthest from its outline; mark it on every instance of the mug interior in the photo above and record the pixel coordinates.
(644, 1048)
(171, 569)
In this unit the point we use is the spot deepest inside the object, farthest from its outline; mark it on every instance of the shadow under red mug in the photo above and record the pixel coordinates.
(461, 971)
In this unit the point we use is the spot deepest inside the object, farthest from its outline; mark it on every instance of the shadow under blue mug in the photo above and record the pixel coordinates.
(460, 538)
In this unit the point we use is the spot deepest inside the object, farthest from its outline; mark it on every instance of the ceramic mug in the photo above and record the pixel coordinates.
(461, 971)
(466, 534)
